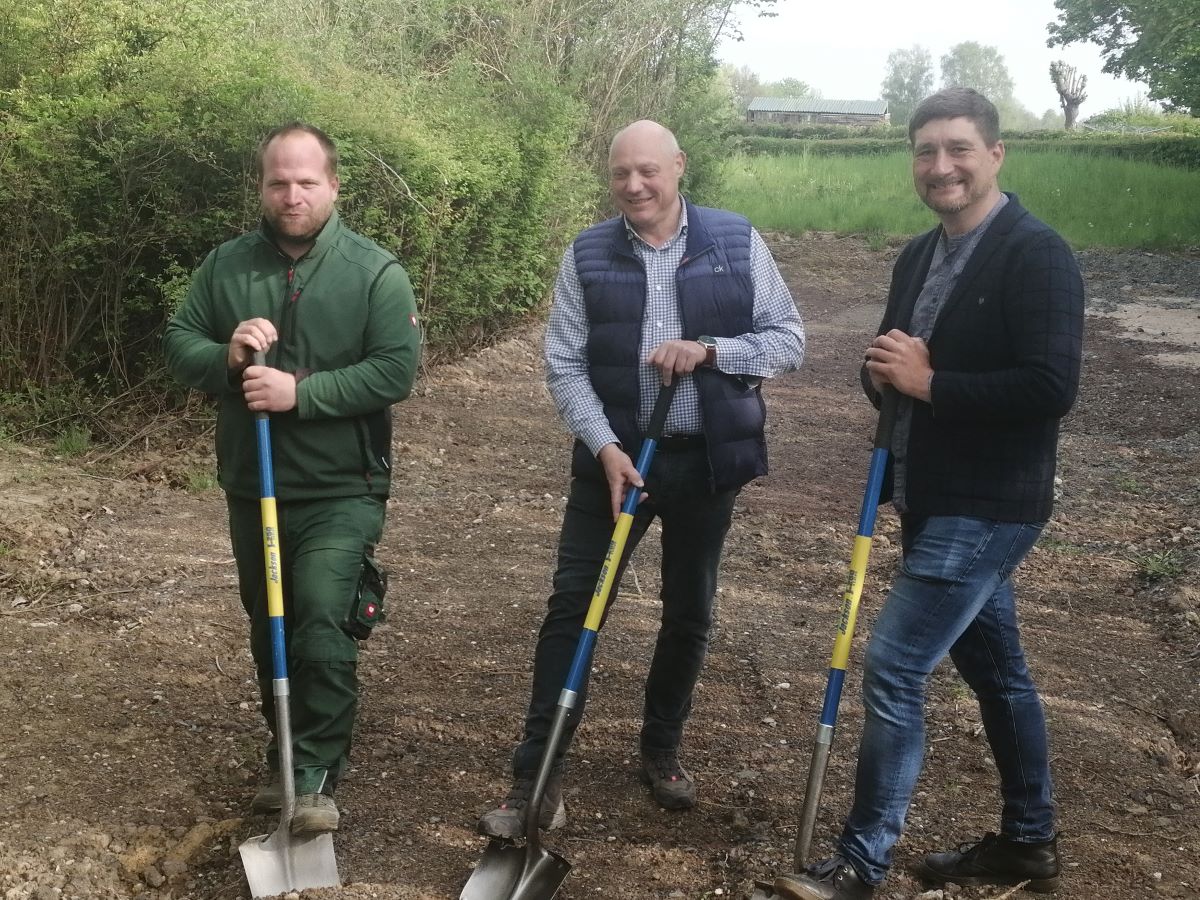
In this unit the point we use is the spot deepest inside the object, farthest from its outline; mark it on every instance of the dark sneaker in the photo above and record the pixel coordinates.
(996, 860)
(508, 819)
(269, 796)
(315, 814)
(830, 879)
(669, 781)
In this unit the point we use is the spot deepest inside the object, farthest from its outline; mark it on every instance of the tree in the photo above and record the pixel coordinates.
(908, 81)
(744, 85)
(1071, 94)
(980, 67)
(1152, 41)
(788, 87)
(1051, 119)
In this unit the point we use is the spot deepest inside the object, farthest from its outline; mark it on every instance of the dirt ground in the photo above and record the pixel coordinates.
(131, 738)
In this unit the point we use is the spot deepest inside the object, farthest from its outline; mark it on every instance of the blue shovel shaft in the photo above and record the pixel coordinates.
(855, 578)
(273, 563)
(591, 626)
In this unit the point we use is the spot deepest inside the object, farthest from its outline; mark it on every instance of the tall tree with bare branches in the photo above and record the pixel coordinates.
(1071, 90)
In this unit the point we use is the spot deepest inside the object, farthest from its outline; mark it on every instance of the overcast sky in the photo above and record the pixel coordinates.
(841, 48)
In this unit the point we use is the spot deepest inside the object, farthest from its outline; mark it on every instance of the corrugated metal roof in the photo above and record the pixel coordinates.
(819, 105)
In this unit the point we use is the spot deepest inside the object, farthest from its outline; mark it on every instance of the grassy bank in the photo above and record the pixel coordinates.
(1092, 201)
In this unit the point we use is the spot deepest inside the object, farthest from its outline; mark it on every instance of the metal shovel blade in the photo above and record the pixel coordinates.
(509, 872)
(279, 863)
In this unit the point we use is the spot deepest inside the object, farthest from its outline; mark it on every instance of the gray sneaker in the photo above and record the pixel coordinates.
(671, 784)
(315, 814)
(269, 796)
(508, 819)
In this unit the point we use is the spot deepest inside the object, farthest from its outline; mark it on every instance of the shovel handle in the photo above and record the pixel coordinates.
(273, 562)
(658, 418)
(849, 614)
(887, 417)
(591, 625)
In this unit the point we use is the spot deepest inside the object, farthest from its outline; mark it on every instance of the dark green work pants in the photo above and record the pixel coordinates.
(324, 547)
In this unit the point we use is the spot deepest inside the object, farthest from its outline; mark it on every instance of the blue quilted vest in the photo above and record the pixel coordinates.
(716, 297)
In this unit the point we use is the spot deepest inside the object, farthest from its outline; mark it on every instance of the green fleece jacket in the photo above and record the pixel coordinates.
(347, 324)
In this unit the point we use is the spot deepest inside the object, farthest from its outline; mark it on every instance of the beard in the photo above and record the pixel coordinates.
(298, 230)
(972, 193)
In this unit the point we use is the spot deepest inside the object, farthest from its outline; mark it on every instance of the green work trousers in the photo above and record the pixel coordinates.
(325, 545)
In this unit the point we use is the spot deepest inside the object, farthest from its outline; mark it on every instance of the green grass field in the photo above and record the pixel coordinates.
(1092, 201)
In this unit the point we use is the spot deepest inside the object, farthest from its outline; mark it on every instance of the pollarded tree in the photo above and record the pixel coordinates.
(908, 81)
(978, 66)
(1152, 41)
(1071, 90)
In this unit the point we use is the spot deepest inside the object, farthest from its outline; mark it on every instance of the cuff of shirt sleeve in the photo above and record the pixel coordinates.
(596, 438)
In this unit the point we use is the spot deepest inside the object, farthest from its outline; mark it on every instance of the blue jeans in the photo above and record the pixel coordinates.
(953, 595)
(694, 524)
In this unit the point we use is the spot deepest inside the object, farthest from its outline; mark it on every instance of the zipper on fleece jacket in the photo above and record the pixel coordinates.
(287, 313)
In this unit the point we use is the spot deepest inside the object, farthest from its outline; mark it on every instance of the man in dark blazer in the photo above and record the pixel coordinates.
(981, 341)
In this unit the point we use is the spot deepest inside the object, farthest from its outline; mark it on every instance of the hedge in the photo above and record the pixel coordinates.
(1171, 150)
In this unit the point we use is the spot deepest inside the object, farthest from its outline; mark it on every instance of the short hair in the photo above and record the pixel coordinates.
(326, 142)
(956, 103)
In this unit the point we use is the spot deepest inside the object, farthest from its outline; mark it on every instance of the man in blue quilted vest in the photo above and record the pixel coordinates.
(665, 290)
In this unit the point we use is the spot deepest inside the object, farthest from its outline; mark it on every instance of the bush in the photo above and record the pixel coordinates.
(819, 132)
(117, 178)
(1166, 150)
(780, 146)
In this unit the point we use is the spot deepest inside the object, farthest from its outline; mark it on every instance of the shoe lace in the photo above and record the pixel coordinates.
(665, 765)
(972, 849)
(522, 790)
(518, 794)
(826, 869)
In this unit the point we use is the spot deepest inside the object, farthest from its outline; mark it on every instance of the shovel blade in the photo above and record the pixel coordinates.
(506, 873)
(279, 863)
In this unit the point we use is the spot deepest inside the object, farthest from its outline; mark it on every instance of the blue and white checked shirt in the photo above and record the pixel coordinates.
(775, 346)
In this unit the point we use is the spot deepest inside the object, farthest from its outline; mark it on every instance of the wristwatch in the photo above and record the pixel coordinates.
(710, 350)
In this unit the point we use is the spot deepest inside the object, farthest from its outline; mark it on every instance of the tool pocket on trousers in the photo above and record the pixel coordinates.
(366, 609)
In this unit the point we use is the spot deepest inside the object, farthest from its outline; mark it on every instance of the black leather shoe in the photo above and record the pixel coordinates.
(996, 860)
(830, 879)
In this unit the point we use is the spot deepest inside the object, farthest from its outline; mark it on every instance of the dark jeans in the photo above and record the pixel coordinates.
(323, 543)
(953, 595)
(694, 524)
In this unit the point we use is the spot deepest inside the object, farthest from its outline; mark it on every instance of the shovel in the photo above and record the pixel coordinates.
(279, 863)
(764, 890)
(509, 872)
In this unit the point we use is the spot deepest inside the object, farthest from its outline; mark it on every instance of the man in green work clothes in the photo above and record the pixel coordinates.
(335, 315)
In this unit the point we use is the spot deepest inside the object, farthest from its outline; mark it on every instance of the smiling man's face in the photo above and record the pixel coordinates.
(954, 170)
(643, 176)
